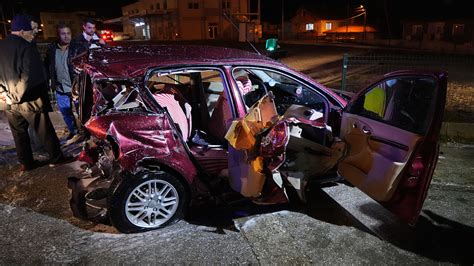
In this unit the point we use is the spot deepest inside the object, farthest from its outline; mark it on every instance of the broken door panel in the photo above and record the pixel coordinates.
(273, 145)
(242, 133)
(246, 171)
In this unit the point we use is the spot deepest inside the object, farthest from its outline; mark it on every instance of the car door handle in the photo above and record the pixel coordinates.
(366, 131)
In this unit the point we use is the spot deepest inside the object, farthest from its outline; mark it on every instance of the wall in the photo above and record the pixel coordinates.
(50, 20)
(181, 22)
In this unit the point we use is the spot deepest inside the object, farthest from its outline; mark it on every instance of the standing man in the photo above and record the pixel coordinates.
(61, 73)
(89, 38)
(24, 88)
(34, 27)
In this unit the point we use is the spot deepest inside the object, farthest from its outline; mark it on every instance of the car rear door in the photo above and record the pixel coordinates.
(392, 130)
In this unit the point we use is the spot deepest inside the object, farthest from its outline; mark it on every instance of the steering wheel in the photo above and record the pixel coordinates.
(407, 115)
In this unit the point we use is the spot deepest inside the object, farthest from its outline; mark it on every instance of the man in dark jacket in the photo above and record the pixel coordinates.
(24, 88)
(89, 38)
(61, 73)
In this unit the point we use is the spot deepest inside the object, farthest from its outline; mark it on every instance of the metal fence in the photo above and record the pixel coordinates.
(359, 70)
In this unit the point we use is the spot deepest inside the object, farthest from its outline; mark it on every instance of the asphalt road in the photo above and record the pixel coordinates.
(38, 227)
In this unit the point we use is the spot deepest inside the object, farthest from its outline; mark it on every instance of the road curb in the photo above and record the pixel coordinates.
(457, 131)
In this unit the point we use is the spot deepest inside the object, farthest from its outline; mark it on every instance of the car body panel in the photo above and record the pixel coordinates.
(144, 137)
(394, 165)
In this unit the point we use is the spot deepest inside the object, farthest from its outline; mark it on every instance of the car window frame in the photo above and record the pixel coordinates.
(350, 106)
(181, 68)
(291, 76)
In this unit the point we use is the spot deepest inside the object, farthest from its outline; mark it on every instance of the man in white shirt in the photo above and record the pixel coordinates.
(89, 38)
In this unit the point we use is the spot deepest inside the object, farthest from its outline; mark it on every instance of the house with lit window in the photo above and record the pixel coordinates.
(186, 19)
(458, 31)
(309, 23)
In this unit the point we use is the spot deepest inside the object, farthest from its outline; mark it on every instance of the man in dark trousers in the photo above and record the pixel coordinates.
(24, 88)
(89, 38)
(61, 73)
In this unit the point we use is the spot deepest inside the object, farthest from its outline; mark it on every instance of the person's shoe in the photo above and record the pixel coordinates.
(61, 161)
(73, 139)
(28, 167)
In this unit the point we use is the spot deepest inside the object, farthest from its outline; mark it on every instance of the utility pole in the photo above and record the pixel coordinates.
(282, 19)
(259, 24)
(3, 20)
(365, 23)
(259, 13)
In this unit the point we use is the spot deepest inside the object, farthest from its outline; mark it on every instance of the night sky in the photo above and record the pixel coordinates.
(378, 10)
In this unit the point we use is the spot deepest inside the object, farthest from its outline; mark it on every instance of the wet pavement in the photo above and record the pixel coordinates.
(38, 226)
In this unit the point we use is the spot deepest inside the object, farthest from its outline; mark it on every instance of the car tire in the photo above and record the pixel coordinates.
(132, 208)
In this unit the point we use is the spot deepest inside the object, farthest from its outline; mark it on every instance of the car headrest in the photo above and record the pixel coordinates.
(244, 84)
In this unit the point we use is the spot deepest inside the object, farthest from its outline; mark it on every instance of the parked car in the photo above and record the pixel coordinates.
(107, 35)
(120, 36)
(170, 123)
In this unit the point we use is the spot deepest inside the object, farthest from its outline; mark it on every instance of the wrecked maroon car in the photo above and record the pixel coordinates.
(168, 124)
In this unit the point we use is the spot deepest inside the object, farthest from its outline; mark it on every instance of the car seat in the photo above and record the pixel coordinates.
(179, 109)
(221, 116)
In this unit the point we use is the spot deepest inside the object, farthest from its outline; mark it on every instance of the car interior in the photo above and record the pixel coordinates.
(198, 105)
(312, 151)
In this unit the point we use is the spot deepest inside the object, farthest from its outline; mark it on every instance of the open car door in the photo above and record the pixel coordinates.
(392, 131)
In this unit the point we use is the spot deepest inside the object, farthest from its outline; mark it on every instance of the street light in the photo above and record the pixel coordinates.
(364, 11)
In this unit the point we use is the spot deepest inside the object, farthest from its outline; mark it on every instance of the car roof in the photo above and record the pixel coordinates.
(133, 60)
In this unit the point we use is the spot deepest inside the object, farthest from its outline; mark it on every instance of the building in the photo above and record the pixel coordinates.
(458, 31)
(187, 20)
(311, 24)
(50, 20)
(307, 25)
(351, 32)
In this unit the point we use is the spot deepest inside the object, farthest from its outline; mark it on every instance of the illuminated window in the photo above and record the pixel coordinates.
(458, 29)
(309, 27)
(328, 25)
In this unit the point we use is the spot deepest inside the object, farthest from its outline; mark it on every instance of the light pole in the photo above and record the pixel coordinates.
(364, 11)
(282, 18)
